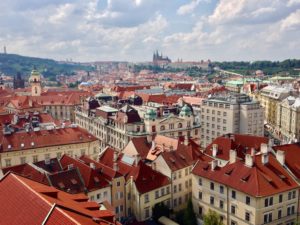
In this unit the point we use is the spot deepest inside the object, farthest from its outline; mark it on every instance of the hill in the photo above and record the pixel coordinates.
(11, 64)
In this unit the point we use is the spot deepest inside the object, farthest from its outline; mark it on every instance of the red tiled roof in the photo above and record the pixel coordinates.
(146, 179)
(259, 180)
(93, 178)
(142, 146)
(292, 157)
(39, 201)
(28, 171)
(239, 142)
(107, 159)
(44, 138)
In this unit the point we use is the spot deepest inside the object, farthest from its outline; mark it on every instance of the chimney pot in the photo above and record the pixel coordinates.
(280, 156)
(232, 156)
(249, 160)
(264, 158)
(215, 150)
(214, 164)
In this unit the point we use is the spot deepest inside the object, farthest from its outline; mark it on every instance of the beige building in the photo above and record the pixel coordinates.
(288, 119)
(117, 127)
(253, 190)
(26, 147)
(144, 189)
(232, 114)
(269, 98)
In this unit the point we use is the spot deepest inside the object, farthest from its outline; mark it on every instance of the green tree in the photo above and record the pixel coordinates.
(159, 210)
(189, 216)
(212, 218)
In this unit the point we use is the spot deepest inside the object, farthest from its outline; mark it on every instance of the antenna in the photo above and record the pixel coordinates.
(4, 49)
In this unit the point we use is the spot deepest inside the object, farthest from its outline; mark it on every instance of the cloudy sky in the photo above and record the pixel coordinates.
(88, 30)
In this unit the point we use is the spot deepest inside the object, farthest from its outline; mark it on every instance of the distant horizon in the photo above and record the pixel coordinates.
(259, 60)
(130, 30)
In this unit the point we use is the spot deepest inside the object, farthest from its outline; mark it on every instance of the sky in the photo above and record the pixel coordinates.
(131, 30)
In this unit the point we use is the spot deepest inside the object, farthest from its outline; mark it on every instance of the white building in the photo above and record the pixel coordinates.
(230, 114)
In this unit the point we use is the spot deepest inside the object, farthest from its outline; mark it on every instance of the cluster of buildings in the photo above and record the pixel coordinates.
(108, 156)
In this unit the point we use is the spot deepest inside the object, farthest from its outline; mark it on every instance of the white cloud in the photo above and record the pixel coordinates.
(188, 8)
(291, 22)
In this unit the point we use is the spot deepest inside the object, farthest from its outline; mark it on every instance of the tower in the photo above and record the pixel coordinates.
(35, 82)
(2, 85)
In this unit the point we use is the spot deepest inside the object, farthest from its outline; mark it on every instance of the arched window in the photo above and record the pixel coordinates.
(180, 125)
(35, 90)
(162, 127)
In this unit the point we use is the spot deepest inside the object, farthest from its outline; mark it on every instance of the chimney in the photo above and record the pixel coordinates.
(186, 140)
(232, 137)
(263, 148)
(137, 159)
(92, 165)
(264, 158)
(153, 166)
(249, 160)
(252, 151)
(30, 102)
(116, 167)
(280, 156)
(214, 164)
(149, 138)
(232, 156)
(214, 150)
(115, 156)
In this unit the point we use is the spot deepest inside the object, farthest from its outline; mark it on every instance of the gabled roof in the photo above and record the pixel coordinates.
(106, 170)
(259, 180)
(239, 142)
(142, 146)
(44, 138)
(93, 178)
(146, 179)
(40, 203)
(292, 157)
(184, 157)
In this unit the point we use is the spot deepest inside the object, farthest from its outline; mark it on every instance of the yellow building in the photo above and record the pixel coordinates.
(269, 98)
(253, 190)
(144, 189)
(32, 146)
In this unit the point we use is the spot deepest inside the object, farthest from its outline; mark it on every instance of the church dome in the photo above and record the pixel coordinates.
(186, 110)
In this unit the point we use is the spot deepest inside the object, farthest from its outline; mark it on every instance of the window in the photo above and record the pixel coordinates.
(58, 155)
(186, 184)
(200, 211)
(224, 113)
(23, 160)
(268, 201)
(147, 213)
(171, 126)
(248, 200)
(268, 218)
(247, 216)
(221, 189)
(200, 195)
(200, 182)
(212, 186)
(233, 222)
(162, 128)
(233, 194)
(175, 202)
(118, 184)
(179, 125)
(146, 198)
(174, 176)
(280, 198)
(221, 204)
(156, 194)
(179, 201)
(162, 192)
(279, 213)
(290, 210)
(35, 158)
(99, 196)
(7, 162)
(179, 174)
(168, 190)
(153, 129)
(212, 200)
(179, 187)
(233, 209)
(82, 151)
(175, 188)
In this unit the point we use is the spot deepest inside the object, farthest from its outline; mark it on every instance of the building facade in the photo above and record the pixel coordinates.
(233, 114)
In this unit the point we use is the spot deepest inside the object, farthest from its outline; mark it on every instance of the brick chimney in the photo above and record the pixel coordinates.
(232, 156)
(214, 150)
(280, 156)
